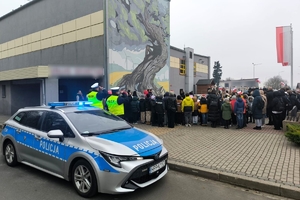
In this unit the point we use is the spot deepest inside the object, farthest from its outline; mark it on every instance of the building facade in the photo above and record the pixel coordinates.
(240, 85)
(186, 69)
(50, 49)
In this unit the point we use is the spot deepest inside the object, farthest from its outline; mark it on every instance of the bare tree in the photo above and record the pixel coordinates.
(275, 82)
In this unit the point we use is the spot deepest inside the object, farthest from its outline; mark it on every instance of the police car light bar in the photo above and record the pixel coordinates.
(77, 103)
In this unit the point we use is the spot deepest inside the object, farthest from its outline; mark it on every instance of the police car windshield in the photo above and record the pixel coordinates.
(93, 122)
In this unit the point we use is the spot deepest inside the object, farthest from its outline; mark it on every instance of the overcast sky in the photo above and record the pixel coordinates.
(235, 32)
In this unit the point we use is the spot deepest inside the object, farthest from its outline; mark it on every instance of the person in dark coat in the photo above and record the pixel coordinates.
(135, 109)
(257, 107)
(239, 108)
(148, 108)
(293, 99)
(153, 113)
(171, 107)
(160, 111)
(143, 109)
(286, 102)
(166, 96)
(270, 97)
(127, 108)
(278, 108)
(214, 108)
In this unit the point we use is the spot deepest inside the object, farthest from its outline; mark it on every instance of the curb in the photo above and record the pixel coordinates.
(238, 180)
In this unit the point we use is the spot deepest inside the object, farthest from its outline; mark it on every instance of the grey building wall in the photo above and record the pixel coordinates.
(89, 52)
(177, 81)
(39, 15)
(42, 14)
(5, 101)
(48, 13)
(204, 60)
(25, 93)
(239, 84)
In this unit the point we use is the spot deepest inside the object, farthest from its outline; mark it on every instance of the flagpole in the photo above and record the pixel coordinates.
(292, 81)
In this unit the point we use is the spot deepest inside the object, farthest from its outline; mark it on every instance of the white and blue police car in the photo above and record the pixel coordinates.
(95, 150)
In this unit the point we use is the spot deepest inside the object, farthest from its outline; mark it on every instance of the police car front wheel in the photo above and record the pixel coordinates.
(10, 154)
(84, 179)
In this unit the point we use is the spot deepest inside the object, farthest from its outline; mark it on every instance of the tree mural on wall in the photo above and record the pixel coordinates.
(143, 24)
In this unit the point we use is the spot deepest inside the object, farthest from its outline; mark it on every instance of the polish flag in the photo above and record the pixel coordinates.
(257, 80)
(282, 83)
(284, 45)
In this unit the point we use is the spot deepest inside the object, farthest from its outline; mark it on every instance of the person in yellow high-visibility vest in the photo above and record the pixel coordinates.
(115, 102)
(97, 95)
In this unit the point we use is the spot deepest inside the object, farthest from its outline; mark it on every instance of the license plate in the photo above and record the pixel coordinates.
(157, 166)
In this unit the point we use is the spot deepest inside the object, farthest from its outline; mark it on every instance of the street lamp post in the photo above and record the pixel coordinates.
(254, 68)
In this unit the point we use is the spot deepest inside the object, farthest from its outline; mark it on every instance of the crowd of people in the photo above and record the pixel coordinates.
(217, 107)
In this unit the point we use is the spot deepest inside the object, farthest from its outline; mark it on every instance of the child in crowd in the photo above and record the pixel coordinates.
(226, 112)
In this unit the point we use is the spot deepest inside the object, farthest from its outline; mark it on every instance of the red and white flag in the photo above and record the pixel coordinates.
(257, 80)
(284, 45)
(282, 83)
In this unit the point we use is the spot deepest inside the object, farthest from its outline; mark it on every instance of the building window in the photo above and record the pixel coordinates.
(3, 91)
(182, 67)
(227, 85)
(195, 69)
(191, 55)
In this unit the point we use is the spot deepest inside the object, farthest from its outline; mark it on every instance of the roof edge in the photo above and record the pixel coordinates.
(183, 51)
(19, 9)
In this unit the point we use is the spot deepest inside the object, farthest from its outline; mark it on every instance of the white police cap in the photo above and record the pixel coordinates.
(95, 85)
(115, 89)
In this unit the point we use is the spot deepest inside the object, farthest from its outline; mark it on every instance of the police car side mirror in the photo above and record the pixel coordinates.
(56, 134)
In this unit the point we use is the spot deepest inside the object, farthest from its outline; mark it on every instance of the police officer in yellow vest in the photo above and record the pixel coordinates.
(115, 102)
(97, 95)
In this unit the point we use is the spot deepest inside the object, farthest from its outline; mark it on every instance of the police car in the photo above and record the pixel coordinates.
(95, 150)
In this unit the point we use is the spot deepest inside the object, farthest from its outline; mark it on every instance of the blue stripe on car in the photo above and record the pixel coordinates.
(61, 155)
(139, 141)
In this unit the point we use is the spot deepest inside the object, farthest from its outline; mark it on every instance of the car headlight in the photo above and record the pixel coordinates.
(116, 160)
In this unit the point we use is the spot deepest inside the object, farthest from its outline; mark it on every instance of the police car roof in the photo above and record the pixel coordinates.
(65, 109)
(70, 106)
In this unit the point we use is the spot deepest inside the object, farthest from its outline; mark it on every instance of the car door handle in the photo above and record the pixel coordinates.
(18, 131)
(37, 137)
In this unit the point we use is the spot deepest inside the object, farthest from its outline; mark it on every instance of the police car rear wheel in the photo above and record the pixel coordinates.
(84, 179)
(10, 154)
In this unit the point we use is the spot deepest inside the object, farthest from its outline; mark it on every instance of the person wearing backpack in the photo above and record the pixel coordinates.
(278, 107)
(257, 107)
(187, 108)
